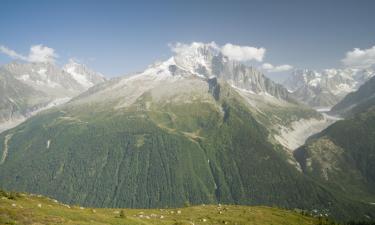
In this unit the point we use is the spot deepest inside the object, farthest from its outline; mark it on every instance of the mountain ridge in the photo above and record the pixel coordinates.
(326, 88)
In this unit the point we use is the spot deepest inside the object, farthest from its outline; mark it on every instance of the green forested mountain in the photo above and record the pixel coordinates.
(342, 156)
(159, 155)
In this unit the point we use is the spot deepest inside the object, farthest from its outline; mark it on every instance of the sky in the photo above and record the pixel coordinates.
(122, 37)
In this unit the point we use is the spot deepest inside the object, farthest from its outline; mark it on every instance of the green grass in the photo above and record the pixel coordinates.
(33, 209)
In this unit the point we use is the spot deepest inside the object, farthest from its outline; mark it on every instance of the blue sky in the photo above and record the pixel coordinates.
(120, 37)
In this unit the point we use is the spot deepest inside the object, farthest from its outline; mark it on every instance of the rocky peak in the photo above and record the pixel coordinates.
(82, 74)
(207, 61)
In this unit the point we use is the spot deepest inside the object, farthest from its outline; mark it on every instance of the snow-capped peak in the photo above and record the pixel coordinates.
(206, 61)
(197, 57)
(83, 75)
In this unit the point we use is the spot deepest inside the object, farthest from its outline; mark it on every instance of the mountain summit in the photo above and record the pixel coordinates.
(82, 74)
(207, 61)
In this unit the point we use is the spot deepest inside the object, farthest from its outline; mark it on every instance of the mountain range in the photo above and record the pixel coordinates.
(30, 87)
(325, 89)
(195, 128)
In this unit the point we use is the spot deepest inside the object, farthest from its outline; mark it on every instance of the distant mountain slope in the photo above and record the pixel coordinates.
(29, 87)
(73, 79)
(17, 99)
(358, 101)
(325, 89)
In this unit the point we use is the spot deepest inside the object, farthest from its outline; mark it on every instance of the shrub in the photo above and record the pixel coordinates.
(122, 214)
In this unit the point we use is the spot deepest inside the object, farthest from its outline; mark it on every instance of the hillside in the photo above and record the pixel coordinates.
(342, 156)
(32, 209)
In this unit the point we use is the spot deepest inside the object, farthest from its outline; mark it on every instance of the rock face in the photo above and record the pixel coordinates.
(325, 89)
(29, 87)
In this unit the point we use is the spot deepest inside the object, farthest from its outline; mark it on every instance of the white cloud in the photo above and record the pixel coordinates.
(273, 69)
(182, 47)
(38, 53)
(359, 58)
(243, 53)
(233, 52)
(11, 53)
(267, 66)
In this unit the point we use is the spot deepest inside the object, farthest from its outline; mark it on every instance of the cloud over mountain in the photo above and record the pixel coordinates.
(271, 68)
(360, 58)
(233, 52)
(243, 53)
(37, 53)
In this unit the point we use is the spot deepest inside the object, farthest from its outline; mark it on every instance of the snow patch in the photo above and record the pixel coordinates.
(323, 109)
